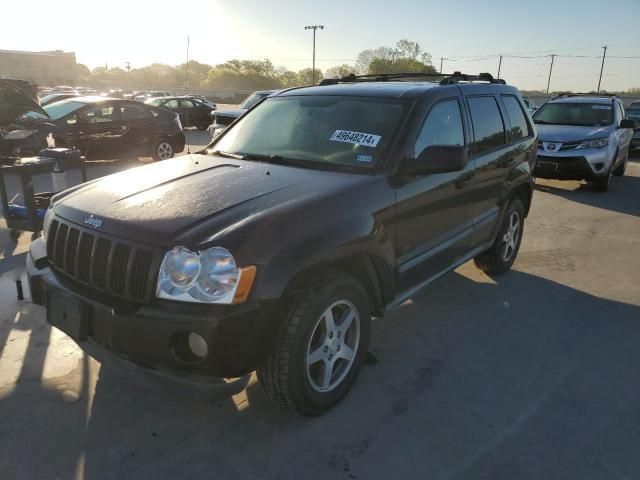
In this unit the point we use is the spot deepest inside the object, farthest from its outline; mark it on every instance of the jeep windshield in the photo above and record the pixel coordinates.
(578, 114)
(315, 131)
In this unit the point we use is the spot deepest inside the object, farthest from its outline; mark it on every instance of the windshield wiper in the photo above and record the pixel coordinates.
(228, 154)
(279, 159)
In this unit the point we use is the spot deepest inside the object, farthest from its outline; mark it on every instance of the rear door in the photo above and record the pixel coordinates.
(434, 212)
(492, 156)
(188, 111)
(139, 125)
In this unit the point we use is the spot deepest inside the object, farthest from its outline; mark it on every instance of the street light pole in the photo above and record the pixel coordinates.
(313, 68)
(499, 66)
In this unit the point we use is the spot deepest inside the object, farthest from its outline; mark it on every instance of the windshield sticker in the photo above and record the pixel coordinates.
(357, 138)
(601, 107)
(364, 158)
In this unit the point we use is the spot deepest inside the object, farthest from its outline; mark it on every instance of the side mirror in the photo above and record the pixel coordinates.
(438, 159)
(627, 123)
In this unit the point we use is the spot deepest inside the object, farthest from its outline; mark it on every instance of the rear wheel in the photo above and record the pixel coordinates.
(322, 347)
(500, 257)
(162, 150)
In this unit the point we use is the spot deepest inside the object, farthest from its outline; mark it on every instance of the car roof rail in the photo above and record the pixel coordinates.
(585, 94)
(445, 78)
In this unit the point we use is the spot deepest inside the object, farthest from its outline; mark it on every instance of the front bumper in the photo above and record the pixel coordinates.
(154, 336)
(574, 164)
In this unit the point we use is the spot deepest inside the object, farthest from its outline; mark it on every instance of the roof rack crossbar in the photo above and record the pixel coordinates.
(445, 78)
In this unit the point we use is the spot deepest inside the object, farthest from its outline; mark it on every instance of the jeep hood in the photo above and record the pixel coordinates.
(161, 202)
(570, 133)
(14, 101)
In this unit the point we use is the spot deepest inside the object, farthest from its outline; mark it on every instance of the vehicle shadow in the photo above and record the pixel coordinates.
(616, 199)
(523, 378)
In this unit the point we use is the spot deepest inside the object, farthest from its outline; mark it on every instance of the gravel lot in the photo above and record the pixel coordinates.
(530, 375)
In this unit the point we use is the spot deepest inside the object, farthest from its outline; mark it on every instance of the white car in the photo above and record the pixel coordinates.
(531, 105)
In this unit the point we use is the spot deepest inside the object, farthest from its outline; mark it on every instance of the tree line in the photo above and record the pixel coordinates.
(248, 75)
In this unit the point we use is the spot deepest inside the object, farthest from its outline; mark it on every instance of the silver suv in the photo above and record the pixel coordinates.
(583, 137)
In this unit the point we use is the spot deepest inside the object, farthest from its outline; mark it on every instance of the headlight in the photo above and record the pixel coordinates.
(179, 271)
(19, 134)
(210, 276)
(595, 143)
(48, 216)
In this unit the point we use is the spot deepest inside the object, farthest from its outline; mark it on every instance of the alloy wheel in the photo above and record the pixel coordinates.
(333, 346)
(511, 236)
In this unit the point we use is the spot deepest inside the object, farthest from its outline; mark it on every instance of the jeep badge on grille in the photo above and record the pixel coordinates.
(93, 221)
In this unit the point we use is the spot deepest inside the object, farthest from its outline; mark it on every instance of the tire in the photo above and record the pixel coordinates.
(162, 150)
(294, 374)
(620, 169)
(14, 234)
(500, 257)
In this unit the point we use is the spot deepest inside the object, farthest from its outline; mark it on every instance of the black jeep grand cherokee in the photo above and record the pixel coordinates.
(272, 249)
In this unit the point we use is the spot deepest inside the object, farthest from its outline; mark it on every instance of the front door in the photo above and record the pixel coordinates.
(434, 212)
(99, 130)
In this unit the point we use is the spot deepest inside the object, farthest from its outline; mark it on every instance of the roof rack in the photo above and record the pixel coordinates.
(585, 94)
(445, 78)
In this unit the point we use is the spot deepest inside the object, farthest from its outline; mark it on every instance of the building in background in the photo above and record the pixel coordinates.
(44, 68)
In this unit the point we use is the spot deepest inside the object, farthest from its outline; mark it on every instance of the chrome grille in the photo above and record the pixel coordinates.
(103, 263)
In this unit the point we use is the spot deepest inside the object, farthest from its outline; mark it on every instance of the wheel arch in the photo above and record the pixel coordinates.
(360, 265)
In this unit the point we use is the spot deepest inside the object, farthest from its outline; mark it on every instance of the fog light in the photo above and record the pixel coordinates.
(198, 345)
(599, 166)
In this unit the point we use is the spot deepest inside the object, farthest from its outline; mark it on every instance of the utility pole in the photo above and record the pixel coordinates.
(186, 73)
(499, 66)
(604, 55)
(441, 59)
(550, 70)
(313, 68)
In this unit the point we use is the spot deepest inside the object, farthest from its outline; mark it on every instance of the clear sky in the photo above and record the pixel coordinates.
(146, 31)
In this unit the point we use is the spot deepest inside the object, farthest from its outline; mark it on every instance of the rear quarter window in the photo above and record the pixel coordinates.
(488, 126)
(517, 119)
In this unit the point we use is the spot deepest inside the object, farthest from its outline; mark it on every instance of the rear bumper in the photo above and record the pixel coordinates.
(155, 336)
(178, 142)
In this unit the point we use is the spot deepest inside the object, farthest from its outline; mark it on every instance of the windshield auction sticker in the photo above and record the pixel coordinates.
(601, 107)
(357, 138)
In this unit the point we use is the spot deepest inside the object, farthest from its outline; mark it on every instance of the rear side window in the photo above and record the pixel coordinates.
(443, 126)
(488, 127)
(519, 124)
(133, 112)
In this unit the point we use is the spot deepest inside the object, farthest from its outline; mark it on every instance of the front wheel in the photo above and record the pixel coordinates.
(321, 348)
(161, 150)
(500, 257)
(620, 169)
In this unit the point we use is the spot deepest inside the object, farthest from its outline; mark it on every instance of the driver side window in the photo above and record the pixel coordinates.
(443, 126)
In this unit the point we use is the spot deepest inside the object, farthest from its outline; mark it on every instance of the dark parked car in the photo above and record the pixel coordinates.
(101, 127)
(319, 208)
(223, 118)
(56, 97)
(633, 113)
(193, 112)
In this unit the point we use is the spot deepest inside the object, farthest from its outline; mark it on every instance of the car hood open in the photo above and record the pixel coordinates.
(162, 202)
(14, 101)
